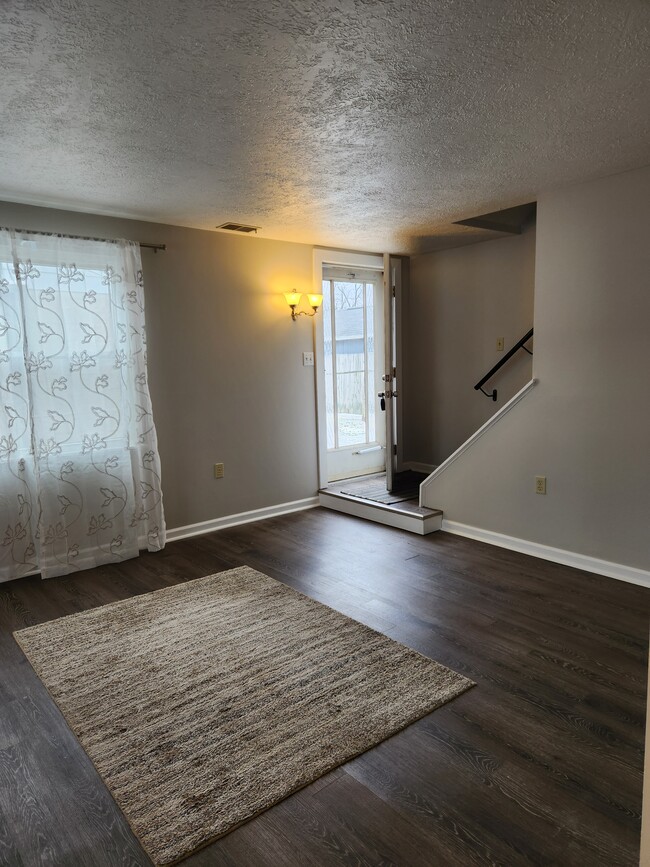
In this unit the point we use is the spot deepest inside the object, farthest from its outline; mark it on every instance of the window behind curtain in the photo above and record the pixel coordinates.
(79, 465)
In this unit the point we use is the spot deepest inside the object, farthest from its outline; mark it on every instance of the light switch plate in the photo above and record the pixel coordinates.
(308, 359)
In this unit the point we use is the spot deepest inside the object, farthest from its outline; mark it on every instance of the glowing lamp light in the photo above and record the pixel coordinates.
(293, 298)
(315, 301)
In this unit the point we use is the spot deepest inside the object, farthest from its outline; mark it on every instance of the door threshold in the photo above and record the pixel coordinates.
(363, 474)
(335, 484)
(406, 515)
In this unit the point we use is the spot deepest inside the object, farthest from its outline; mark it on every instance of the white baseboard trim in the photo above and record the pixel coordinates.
(240, 518)
(546, 552)
(419, 467)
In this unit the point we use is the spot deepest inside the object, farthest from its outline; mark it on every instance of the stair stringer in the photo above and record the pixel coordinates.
(428, 488)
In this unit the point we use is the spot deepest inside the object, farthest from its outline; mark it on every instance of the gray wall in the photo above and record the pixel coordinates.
(586, 426)
(225, 362)
(460, 302)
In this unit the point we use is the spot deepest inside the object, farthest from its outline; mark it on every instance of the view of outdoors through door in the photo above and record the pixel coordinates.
(353, 355)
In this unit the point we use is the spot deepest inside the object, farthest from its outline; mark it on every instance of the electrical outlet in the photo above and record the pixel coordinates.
(540, 484)
(308, 359)
(218, 471)
(500, 344)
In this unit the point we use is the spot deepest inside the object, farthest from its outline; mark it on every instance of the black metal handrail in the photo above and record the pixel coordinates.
(518, 345)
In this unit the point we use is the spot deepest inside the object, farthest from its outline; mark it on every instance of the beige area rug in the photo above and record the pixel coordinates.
(203, 704)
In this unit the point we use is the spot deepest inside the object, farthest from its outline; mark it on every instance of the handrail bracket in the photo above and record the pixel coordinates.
(518, 345)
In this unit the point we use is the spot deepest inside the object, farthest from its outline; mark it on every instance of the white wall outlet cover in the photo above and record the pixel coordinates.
(308, 359)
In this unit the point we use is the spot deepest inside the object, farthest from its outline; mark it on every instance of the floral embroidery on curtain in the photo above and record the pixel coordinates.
(79, 463)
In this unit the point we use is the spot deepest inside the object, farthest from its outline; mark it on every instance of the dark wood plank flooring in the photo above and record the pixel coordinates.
(540, 764)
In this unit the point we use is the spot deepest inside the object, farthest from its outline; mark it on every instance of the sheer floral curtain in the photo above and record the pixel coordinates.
(79, 464)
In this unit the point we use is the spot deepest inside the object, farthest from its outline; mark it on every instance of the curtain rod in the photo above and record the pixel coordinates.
(154, 247)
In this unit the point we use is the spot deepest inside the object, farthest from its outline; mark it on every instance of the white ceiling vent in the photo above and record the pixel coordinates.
(238, 227)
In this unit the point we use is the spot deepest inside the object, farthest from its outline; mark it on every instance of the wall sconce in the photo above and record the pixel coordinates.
(293, 300)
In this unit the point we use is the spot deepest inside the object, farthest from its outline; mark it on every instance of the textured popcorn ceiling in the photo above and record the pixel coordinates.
(353, 123)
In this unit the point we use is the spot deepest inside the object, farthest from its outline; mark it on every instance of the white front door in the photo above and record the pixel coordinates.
(353, 356)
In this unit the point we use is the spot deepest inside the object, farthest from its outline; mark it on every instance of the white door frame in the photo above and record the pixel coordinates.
(390, 282)
(350, 259)
(396, 277)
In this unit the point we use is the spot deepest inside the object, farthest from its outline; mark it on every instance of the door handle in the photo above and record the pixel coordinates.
(382, 402)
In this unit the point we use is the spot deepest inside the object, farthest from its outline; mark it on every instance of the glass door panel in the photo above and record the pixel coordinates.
(352, 316)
